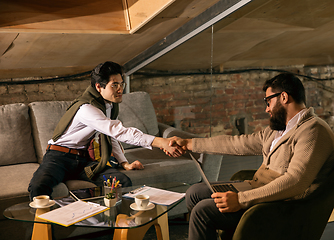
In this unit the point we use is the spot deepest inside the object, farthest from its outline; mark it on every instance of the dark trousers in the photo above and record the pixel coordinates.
(58, 167)
(205, 217)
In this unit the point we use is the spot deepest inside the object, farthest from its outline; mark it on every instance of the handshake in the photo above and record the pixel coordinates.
(175, 146)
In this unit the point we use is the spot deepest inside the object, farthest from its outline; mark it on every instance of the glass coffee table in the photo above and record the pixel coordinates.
(126, 222)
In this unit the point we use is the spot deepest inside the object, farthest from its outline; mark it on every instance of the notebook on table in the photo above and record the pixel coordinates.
(221, 186)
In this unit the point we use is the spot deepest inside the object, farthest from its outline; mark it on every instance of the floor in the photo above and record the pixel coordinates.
(178, 230)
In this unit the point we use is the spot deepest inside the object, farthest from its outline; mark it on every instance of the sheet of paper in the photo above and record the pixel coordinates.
(73, 213)
(157, 196)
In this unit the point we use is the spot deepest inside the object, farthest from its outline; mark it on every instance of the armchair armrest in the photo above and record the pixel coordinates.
(289, 219)
(167, 131)
(210, 163)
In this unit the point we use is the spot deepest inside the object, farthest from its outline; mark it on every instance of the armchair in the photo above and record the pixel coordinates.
(299, 219)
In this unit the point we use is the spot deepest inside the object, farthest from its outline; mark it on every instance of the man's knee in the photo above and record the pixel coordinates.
(39, 188)
(195, 194)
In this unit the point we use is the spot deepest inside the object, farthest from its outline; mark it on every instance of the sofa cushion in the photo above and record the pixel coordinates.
(14, 182)
(136, 110)
(44, 119)
(14, 179)
(15, 135)
(160, 168)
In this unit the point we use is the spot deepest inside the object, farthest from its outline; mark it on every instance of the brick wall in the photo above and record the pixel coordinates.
(195, 103)
(26, 91)
(227, 101)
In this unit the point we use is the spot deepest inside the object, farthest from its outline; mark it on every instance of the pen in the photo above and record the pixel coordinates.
(75, 197)
(113, 183)
(137, 189)
(105, 179)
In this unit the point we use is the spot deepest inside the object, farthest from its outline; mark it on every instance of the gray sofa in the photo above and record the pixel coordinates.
(25, 130)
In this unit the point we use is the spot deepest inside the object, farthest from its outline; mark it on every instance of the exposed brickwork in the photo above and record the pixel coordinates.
(195, 103)
(30, 92)
(189, 102)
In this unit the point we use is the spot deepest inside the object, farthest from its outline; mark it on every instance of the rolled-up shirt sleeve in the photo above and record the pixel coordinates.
(118, 152)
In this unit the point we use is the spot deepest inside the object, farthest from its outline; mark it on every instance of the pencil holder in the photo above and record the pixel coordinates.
(117, 191)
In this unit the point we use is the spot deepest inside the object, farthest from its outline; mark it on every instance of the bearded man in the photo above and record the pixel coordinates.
(298, 155)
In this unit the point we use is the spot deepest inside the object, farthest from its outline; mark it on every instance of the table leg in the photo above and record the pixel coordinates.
(163, 221)
(160, 224)
(41, 230)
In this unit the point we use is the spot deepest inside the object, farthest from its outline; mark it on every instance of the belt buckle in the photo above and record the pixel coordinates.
(74, 151)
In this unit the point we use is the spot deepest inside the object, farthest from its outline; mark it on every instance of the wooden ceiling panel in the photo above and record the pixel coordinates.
(54, 50)
(308, 13)
(6, 41)
(259, 25)
(143, 11)
(67, 36)
(187, 8)
(62, 16)
(299, 44)
(225, 46)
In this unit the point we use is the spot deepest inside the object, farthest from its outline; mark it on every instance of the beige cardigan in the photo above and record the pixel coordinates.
(297, 164)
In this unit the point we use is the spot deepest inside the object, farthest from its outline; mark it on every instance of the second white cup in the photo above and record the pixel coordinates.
(41, 200)
(142, 201)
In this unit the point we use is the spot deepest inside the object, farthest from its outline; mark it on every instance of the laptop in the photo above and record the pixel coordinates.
(222, 186)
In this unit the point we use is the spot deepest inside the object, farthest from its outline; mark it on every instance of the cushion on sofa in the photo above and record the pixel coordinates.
(136, 110)
(15, 135)
(44, 119)
(14, 182)
(14, 179)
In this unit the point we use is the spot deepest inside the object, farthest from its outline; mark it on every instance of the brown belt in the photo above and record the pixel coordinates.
(78, 152)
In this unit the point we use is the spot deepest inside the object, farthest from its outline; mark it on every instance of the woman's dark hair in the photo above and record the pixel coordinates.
(102, 72)
(289, 83)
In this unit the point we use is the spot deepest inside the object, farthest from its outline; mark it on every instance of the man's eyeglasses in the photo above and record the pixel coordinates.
(266, 99)
(117, 85)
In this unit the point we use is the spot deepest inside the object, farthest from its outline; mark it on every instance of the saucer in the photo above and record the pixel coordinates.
(51, 203)
(150, 206)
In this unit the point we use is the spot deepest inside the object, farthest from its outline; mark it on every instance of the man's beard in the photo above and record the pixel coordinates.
(278, 118)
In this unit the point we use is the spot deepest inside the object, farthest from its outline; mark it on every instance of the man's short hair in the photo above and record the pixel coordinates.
(102, 72)
(289, 83)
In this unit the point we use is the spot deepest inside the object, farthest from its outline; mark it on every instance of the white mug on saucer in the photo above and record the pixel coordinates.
(42, 200)
(142, 201)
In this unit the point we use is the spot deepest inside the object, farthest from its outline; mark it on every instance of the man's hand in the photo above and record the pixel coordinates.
(171, 150)
(185, 144)
(226, 201)
(132, 166)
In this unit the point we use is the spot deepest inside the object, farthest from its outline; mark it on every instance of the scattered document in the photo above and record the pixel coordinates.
(73, 213)
(157, 196)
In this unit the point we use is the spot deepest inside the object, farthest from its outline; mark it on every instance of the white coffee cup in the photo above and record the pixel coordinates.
(42, 200)
(142, 201)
